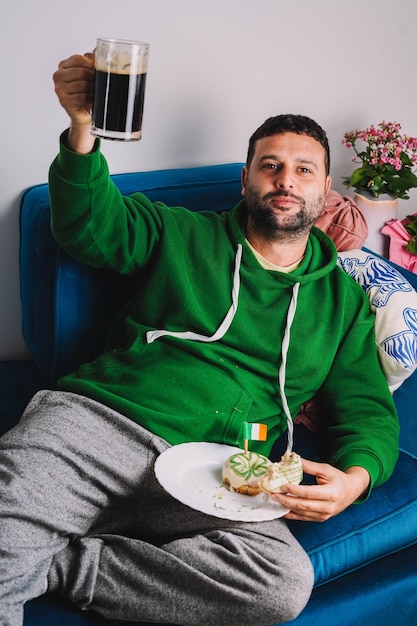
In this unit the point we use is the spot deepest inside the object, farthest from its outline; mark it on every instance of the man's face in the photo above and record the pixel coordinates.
(285, 185)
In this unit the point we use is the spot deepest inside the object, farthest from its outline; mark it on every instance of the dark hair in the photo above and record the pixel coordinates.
(290, 123)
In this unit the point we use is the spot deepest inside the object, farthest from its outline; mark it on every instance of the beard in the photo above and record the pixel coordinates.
(277, 224)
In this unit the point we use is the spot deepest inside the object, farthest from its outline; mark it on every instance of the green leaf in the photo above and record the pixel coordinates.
(405, 159)
(412, 247)
(411, 228)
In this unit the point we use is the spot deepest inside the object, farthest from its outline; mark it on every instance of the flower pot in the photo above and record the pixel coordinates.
(376, 213)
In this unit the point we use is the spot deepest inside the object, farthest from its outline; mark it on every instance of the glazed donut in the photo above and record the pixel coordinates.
(243, 471)
(288, 470)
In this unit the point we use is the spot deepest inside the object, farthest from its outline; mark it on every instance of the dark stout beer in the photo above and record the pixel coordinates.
(118, 103)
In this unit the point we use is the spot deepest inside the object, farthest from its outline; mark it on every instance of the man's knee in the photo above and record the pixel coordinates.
(283, 575)
(287, 599)
(273, 590)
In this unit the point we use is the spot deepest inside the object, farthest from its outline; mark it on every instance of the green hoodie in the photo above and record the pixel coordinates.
(199, 349)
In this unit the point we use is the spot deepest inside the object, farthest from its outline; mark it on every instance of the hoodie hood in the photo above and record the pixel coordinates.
(320, 256)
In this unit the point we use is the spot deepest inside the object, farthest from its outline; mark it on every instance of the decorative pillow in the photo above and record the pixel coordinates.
(394, 302)
(343, 222)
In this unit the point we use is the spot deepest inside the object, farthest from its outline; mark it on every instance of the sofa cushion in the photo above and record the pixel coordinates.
(384, 524)
(365, 532)
(19, 381)
(380, 594)
(52, 610)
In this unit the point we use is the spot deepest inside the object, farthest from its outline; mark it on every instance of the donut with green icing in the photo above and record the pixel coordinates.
(243, 472)
(288, 471)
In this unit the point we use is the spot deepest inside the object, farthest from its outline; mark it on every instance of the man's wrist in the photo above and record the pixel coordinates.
(80, 139)
(76, 167)
(362, 480)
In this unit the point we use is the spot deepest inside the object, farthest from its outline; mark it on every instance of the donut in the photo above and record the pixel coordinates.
(243, 471)
(288, 470)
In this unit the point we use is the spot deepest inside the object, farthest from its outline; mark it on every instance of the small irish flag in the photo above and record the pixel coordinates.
(256, 432)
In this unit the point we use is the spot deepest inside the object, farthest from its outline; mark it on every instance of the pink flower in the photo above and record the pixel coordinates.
(386, 158)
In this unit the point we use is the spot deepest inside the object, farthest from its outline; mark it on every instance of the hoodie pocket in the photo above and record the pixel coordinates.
(178, 397)
(192, 401)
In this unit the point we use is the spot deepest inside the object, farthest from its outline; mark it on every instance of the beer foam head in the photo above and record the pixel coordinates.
(121, 57)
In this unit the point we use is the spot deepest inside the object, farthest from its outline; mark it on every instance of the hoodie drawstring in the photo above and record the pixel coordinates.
(224, 326)
(283, 367)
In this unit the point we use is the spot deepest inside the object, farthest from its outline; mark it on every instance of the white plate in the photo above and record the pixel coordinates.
(192, 473)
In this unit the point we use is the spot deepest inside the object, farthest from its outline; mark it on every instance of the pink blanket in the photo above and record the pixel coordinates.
(399, 238)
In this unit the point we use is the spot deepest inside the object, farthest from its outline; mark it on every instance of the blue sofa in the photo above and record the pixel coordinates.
(365, 559)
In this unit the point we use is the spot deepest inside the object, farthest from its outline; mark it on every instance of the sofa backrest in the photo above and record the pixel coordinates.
(67, 307)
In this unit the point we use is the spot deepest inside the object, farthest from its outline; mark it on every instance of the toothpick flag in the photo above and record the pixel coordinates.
(256, 432)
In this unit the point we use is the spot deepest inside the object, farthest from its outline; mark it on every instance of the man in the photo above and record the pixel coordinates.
(241, 316)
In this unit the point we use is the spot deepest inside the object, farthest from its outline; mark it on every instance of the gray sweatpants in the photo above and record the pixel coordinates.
(80, 504)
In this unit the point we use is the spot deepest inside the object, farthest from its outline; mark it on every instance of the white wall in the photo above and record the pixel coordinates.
(218, 68)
